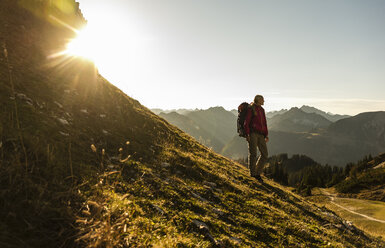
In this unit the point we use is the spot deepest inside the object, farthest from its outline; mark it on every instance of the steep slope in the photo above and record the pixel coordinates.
(191, 127)
(329, 116)
(295, 120)
(52, 110)
(84, 165)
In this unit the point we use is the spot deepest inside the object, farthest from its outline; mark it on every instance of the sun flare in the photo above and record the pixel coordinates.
(92, 44)
(112, 44)
(82, 45)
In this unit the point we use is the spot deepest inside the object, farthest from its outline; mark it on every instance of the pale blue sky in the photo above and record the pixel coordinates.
(329, 54)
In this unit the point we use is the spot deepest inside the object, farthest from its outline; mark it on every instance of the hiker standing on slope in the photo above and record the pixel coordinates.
(257, 135)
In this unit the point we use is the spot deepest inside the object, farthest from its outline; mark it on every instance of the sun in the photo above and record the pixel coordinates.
(90, 43)
(121, 46)
(82, 45)
(113, 45)
(103, 44)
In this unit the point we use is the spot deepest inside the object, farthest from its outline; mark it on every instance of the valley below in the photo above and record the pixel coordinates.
(367, 215)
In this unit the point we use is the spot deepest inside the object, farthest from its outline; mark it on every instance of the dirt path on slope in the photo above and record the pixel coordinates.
(333, 197)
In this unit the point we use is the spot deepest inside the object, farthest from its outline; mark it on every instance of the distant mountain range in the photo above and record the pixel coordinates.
(213, 127)
(341, 142)
(271, 114)
(325, 137)
(331, 117)
(296, 120)
(179, 111)
(307, 109)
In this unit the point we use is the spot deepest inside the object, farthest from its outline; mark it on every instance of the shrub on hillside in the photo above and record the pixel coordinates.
(363, 181)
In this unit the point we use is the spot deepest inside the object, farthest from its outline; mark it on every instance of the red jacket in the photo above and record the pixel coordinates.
(256, 122)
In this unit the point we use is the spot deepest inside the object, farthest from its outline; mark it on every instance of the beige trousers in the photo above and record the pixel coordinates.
(257, 140)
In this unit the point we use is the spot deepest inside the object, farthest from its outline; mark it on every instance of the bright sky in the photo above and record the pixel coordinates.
(202, 53)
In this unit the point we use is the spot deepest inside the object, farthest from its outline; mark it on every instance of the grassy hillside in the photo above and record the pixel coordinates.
(364, 179)
(84, 165)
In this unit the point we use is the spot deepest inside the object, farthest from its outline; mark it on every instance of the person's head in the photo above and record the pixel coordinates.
(259, 100)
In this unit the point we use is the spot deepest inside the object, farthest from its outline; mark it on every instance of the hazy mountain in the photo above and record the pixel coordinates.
(157, 111)
(344, 141)
(366, 127)
(268, 114)
(194, 129)
(179, 111)
(213, 127)
(292, 131)
(84, 165)
(296, 120)
(271, 114)
(236, 148)
(233, 111)
(219, 122)
(331, 117)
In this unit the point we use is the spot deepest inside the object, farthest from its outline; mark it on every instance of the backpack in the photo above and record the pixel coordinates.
(242, 110)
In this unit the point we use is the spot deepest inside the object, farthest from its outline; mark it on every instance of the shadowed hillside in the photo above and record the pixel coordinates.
(365, 127)
(84, 165)
(364, 179)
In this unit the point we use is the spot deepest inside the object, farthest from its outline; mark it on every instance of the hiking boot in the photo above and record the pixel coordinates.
(259, 178)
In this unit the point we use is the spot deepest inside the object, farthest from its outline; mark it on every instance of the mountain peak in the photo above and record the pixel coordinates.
(296, 120)
(329, 116)
(296, 109)
(217, 108)
(311, 109)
